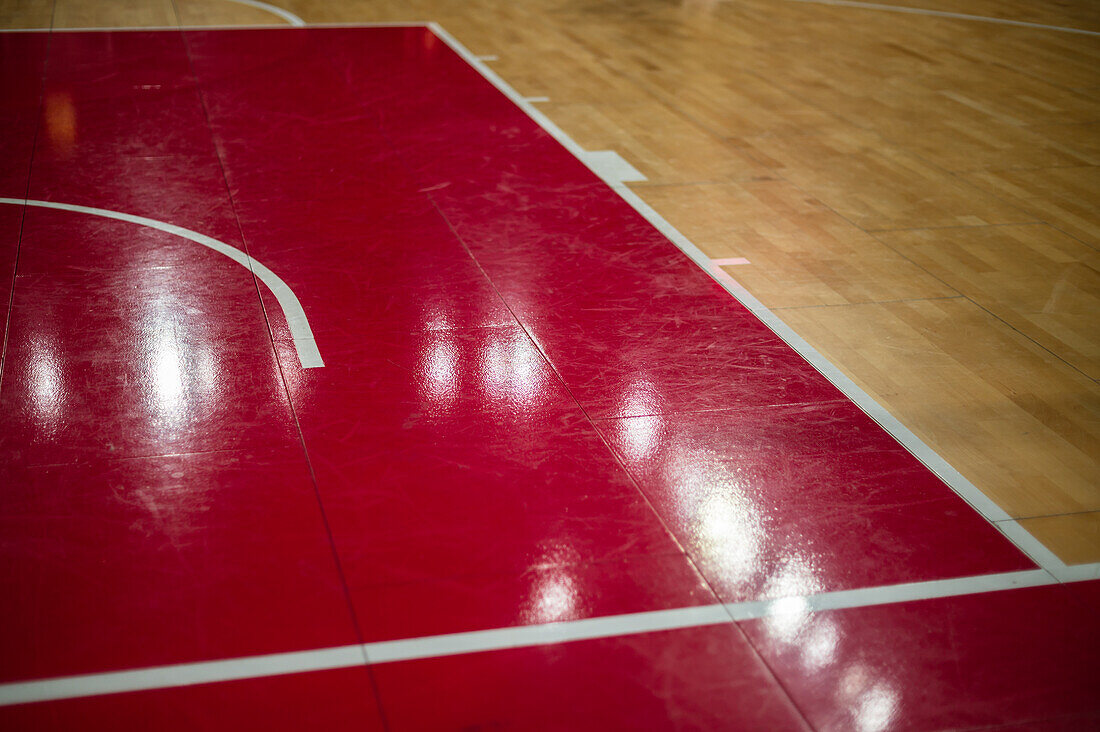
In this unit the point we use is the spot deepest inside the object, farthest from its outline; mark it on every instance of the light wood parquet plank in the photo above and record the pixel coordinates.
(26, 13)
(1036, 279)
(1063, 197)
(1025, 425)
(221, 12)
(801, 253)
(114, 14)
(1075, 537)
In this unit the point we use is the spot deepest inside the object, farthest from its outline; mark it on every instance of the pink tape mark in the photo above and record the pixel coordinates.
(721, 275)
(730, 261)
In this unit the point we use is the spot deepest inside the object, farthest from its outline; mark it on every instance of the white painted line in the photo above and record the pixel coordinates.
(948, 474)
(487, 58)
(889, 594)
(611, 167)
(292, 309)
(613, 626)
(538, 635)
(944, 14)
(729, 261)
(184, 674)
(536, 100)
(286, 15)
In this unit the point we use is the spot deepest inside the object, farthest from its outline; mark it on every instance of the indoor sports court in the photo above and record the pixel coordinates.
(550, 365)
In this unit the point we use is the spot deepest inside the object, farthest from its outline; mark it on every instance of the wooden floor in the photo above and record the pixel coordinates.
(916, 195)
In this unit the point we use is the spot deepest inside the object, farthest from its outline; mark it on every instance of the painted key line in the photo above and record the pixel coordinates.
(791, 609)
(297, 322)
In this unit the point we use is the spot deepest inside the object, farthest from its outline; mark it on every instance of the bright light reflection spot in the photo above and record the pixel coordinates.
(177, 377)
(436, 313)
(819, 648)
(729, 526)
(639, 398)
(554, 598)
(788, 617)
(60, 118)
(168, 374)
(47, 389)
(794, 577)
(877, 708)
(641, 436)
(439, 366)
(513, 370)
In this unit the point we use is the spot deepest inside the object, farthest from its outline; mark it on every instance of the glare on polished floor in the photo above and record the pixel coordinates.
(318, 344)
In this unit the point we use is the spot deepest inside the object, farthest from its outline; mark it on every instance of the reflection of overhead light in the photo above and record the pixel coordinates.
(794, 577)
(787, 618)
(639, 397)
(819, 648)
(854, 681)
(172, 373)
(439, 371)
(513, 369)
(168, 376)
(877, 708)
(641, 435)
(789, 621)
(554, 598)
(45, 377)
(874, 704)
(60, 117)
(729, 525)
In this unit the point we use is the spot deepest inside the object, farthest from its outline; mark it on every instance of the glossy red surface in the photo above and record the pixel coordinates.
(11, 220)
(533, 408)
(1021, 657)
(149, 561)
(699, 678)
(803, 499)
(122, 363)
(22, 58)
(542, 593)
(1087, 592)
(331, 700)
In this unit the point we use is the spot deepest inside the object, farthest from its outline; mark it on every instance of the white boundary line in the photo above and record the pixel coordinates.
(952, 477)
(944, 14)
(436, 646)
(295, 316)
(286, 15)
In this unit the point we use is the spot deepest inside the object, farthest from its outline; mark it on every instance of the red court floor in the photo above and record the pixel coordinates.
(317, 342)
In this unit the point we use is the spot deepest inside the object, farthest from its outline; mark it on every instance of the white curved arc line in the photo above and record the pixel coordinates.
(946, 14)
(295, 316)
(286, 15)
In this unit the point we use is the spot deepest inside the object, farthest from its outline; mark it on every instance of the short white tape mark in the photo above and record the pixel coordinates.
(286, 15)
(296, 320)
(536, 100)
(611, 167)
(729, 261)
